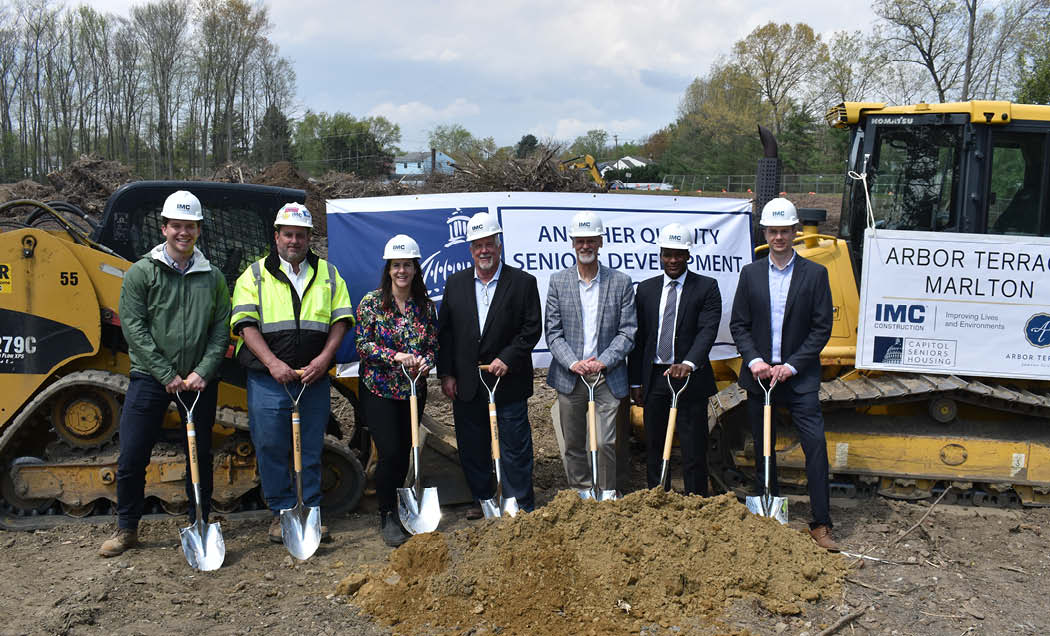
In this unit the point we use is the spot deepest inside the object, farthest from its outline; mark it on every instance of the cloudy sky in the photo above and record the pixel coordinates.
(555, 69)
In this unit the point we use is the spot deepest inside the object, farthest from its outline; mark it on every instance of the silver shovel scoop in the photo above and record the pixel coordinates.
(497, 506)
(301, 525)
(202, 543)
(672, 420)
(592, 446)
(418, 507)
(766, 505)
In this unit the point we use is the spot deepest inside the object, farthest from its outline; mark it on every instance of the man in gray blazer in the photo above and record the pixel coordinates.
(590, 324)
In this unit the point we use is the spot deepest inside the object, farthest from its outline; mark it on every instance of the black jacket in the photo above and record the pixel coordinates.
(696, 326)
(512, 328)
(807, 322)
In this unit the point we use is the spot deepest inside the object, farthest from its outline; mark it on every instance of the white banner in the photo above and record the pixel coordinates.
(967, 304)
(535, 238)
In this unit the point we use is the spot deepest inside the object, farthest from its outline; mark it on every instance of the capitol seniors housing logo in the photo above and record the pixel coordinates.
(449, 258)
(1037, 330)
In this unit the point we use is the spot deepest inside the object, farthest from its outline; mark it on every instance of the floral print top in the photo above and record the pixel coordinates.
(381, 334)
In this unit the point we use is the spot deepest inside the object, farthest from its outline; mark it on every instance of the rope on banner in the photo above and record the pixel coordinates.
(863, 178)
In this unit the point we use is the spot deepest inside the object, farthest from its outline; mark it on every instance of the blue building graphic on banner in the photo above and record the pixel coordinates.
(356, 241)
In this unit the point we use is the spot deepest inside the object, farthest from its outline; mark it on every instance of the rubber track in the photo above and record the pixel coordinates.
(863, 391)
(225, 416)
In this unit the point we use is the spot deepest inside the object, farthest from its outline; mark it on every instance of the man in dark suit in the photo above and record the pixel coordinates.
(781, 320)
(490, 314)
(678, 315)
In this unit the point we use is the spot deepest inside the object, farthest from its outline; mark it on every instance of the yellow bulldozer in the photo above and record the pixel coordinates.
(976, 167)
(64, 362)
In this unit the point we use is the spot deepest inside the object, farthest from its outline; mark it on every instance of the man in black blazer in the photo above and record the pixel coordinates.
(490, 314)
(678, 315)
(782, 315)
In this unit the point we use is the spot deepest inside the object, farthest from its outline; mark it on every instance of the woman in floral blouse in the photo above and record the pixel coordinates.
(396, 325)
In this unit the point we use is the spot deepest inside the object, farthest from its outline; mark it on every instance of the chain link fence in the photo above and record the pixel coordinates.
(791, 183)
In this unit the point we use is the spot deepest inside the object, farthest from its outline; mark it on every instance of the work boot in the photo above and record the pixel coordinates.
(123, 539)
(391, 531)
(325, 536)
(822, 536)
(275, 530)
(475, 512)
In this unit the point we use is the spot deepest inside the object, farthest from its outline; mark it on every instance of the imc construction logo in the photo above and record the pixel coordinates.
(1037, 330)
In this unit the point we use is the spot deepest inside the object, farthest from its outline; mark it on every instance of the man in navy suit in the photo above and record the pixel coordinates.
(490, 314)
(781, 320)
(678, 315)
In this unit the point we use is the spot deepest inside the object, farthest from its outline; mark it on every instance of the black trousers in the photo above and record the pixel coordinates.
(691, 426)
(807, 417)
(141, 421)
(515, 442)
(390, 423)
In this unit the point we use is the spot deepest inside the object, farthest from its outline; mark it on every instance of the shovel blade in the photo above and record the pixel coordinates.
(301, 530)
(509, 507)
(419, 515)
(490, 507)
(767, 506)
(585, 493)
(608, 495)
(203, 546)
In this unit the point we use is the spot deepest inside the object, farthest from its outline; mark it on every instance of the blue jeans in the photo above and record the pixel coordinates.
(515, 446)
(270, 417)
(141, 421)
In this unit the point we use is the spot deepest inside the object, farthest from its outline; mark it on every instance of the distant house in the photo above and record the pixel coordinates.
(418, 163)
(625, 163)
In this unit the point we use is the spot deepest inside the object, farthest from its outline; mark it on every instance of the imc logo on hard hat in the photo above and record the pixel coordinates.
(674, 237)
(778, 213)
(400, 246)
(477, 226)
(182, 206)
(585, 224)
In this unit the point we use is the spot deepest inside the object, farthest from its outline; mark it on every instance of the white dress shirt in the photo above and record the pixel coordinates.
(483, 293)
(779, 285)
(298, 280)
(589, 305)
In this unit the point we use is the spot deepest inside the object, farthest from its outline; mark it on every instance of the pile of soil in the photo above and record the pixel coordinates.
(575, 567)
(88, 182)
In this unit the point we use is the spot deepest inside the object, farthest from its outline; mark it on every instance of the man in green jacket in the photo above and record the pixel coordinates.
(175, 315)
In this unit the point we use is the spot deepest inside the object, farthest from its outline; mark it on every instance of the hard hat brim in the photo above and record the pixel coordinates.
(784, 223)
(584, 234)
(177, 216)
(675, 246)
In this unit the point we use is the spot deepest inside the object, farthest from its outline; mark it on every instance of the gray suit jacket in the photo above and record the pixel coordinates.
(563, 324)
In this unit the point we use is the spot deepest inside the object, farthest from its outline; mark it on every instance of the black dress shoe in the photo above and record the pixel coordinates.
(475, 512)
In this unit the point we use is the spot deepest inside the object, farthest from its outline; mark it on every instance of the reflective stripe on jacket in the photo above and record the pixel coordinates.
(295, 330)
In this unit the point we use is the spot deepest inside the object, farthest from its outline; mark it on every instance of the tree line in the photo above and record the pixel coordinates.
(179, 87)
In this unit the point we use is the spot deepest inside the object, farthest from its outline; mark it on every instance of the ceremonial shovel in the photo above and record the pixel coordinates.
(592, 446)
(202, 543)
(497, 506)
(672, 419)
(417, 506)
(300, 526)
(766, 505)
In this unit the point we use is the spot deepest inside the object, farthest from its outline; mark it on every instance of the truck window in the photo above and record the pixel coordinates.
(913, 175)
(1015, 198)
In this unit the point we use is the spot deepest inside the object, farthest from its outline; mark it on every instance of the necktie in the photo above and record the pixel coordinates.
(665, 348)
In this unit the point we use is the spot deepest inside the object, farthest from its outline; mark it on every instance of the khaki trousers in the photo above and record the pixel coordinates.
(572, 410)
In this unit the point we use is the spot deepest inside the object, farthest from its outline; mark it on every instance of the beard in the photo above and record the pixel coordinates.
(587, 258)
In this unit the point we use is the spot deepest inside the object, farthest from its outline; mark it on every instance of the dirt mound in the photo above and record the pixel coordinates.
(24, 189)
(88, 182)
(582, 567)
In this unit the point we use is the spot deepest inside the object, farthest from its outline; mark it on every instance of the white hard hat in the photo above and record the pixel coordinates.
(585, 223)
(481, 225)
(778, 212)
(674, 236)
(294, 214)
(401, 246)
(183, 206)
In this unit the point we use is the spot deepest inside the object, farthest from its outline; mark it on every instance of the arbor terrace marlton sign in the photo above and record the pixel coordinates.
(967, 304)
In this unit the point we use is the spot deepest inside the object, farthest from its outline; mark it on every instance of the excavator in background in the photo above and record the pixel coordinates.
(64, 362)
(585, 162)
(977, 167)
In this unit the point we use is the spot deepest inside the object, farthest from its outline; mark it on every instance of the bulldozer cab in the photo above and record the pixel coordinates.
(973, 167)
(237, 229)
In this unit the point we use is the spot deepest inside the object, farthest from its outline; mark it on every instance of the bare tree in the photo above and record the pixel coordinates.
(161, 28)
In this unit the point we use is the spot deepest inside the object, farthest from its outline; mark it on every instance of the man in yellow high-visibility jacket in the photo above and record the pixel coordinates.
(291, 310)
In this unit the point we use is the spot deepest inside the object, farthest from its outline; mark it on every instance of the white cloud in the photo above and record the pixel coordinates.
(415, 113)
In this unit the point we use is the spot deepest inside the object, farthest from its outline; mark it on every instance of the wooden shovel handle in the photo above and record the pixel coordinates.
(191, 449)
(297, 442)
(672, 419)
(493, 431)
(592, 427)
(767, 433)
(413, 405)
